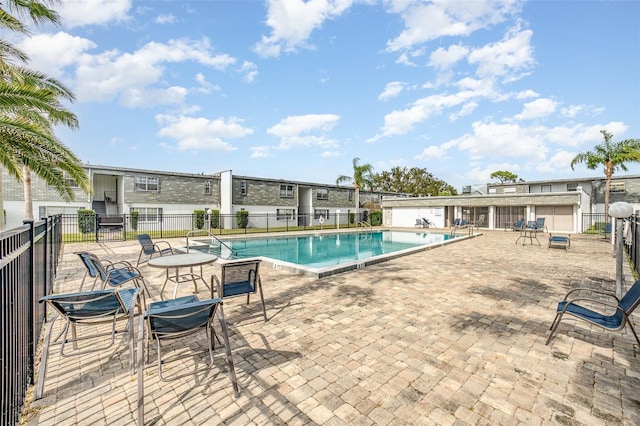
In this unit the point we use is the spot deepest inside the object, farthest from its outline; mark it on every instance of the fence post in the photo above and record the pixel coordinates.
(30, 284)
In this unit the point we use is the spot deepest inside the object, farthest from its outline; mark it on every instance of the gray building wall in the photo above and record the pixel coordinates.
(14, 190)
(179, 189)
(263, 193)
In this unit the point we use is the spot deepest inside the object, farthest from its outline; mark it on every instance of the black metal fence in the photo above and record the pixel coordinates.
(632, 241)
(92, 227)
(594, 223)
(29, 256)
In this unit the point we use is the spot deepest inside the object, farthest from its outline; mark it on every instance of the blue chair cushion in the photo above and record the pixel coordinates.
(154, 306)
(238, 288)
(612, 322)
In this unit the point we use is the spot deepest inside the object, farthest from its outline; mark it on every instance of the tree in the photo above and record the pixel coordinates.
(415, 181)
(611, 155)
(505, 176)
(29, 109)
(361, 179)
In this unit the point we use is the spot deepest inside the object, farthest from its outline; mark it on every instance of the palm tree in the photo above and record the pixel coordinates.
(29, 109)
(612, 155)
(362, 178)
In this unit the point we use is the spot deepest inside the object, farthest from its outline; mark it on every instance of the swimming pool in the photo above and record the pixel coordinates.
(323, 254)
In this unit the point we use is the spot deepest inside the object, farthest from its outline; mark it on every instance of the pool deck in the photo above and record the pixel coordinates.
(449, 336)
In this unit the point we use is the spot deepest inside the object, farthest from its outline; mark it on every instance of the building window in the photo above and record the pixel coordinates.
(350, 195)
(322, 194)
(243, 187)
(146, 184)
(317, 213)
(572, 187)
(509, 189)
(148, 214)
(286, 191)
(207, 187)
(617, 186)
(285, 214)
(545, 188)
(68, 180)
(492, 190)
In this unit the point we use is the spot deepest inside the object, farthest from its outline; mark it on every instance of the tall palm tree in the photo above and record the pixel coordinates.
(611, 155)
(29, 109)
(362, 178)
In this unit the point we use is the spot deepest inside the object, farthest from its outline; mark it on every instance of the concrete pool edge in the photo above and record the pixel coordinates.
(350, 266)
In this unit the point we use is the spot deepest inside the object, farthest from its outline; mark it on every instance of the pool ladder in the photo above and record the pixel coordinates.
(213, 238)
(367, 226)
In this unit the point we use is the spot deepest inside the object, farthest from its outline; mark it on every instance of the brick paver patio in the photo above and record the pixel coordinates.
(453, 335)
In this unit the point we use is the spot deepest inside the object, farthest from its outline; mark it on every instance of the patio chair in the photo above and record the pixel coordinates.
(614, 321)
(89, 308)
(177, 318)
(238, 278)
(114, 274)
(538, 224)
(607, 230)
(419, 223)
(518, 225)
(426, 223)
(149, 248)
(560, 240)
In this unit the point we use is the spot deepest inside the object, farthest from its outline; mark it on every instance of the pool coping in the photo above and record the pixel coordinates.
(344, 267)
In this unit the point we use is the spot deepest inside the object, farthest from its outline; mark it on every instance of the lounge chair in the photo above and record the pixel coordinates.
(149, 248)
(426, 223)
(419, 223)
(89, 308)
(538, 224)
(560, 240)
(114, 274)
(238, 278)
(614, 321)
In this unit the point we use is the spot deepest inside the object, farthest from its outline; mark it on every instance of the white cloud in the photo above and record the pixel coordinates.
(391, 90)
(205, 86)
(331, 154)
(446, 58)
(572, 110)
(250, 71)
(109, 74)
(426, 21)
(483, 174)
(199, 133)
(165, 19)
(558, 162)
(261, 152)
(78, 13)
(402, 121)
(526, 94)
(301, 130)
(539, 108)
(144, 98)
(508, 58)
(293, 21)
(432, 153)
(403, 59)
(54, 52)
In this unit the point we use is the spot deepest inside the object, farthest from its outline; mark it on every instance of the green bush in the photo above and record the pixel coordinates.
(352, 218)
(376, 218)
(198, 219)
(242, 218)
(86, 221)
(214, 219)
(365, 216)
(134, 220)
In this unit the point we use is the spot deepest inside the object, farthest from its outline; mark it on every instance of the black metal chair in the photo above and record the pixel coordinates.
(238, 278)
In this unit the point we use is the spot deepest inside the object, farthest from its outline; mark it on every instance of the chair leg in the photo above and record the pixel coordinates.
(264, 309)
(227, 346)
(554, 327)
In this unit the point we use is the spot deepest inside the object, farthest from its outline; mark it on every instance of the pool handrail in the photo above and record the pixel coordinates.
(213, 237)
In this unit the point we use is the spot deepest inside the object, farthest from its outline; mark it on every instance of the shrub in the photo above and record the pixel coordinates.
(134, 220)
(198, 219)
(86, 221)
(352, 218)
(242, 218)
(376, 218)
(214, 219)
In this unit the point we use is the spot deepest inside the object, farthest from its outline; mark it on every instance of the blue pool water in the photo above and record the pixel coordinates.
(320, 251)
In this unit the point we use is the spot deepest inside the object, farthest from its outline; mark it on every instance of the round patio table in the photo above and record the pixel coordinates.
(186, 260)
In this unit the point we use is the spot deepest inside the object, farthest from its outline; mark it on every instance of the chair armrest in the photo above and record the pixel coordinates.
(594, 301)
(604, 293)
(157, 245)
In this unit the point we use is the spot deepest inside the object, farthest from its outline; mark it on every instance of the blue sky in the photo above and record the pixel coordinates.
(295, 90)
